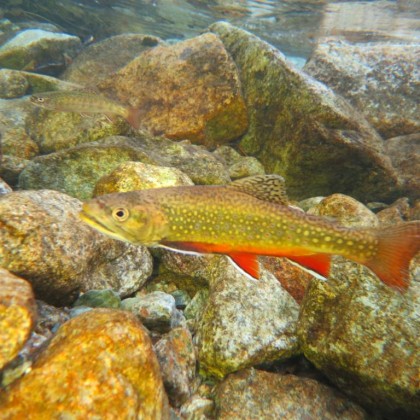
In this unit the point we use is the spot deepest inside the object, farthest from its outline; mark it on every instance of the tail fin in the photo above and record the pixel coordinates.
(397, 246)
(133, 117)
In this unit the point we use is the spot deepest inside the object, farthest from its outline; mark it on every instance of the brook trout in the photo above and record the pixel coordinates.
(247, 218)
(85, 102)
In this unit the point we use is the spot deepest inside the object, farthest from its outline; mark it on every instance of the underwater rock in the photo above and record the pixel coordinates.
(32, 49)
(198, 407)
(43, 240)
(404, 152)
(99, 364)
(72, 171)
(102, 59)
(300, 129)
(239, 166)
(176, 355)
(106, 298)
(12, 84)
(254, 393)
(156, 311)
(259, 326)
(194, 81)
(17, 315)
(397, 212)
(346, 211)
(4, 187)
(11, 167)
(378, 79)
(308, 203)
(17, 143)
(363, 336)
(130, 176)
(292, 278)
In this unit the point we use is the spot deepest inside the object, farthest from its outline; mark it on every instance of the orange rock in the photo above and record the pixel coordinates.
(189, 90)
(100, 364)
(17, 315)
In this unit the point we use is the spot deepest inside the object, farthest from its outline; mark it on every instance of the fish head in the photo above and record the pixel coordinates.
(124, 216)
(41, 99)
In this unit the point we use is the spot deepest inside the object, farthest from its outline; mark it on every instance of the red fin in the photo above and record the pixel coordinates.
(397, 246)
(248, 263)
(133, 117)
(320, 263)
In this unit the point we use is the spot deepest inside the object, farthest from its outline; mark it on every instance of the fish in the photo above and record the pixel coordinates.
(85, 102)
(247, 218)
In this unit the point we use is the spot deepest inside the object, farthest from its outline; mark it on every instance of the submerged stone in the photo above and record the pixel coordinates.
(99, 299)
(99, 364)
(43, 240)
(300, 129)
(379, 79)
(194, 81)
(363, 336)
(257, 394)
(17, 315)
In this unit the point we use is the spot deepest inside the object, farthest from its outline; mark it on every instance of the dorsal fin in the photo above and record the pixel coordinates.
(270, 188)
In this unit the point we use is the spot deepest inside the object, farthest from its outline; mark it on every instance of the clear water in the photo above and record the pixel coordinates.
(294, 26)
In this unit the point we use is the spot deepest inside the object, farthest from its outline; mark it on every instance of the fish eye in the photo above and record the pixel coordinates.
(38, 99)
(120, 214)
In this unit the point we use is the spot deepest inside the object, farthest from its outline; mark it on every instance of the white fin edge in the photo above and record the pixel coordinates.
(311, 272)
(180, 251)
(242, 271)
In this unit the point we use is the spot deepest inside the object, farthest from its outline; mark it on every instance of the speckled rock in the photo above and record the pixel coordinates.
(71, 171)
(106, 298)
(262, 395)
(156, 310)
(103, 58)
(198, 408)
(310, 202)
(404, 152)
(12, 84)
(17, 143)
(345, 210)
(363, 336)
(195, 81)
(130, 176)
(100, 364)
(33, 48)
(397, 212)
(244, 322)
(239, 166)
(4, 188)
(43, 240)
(176, 355)
(331, 147)
(379, 79)
(54, 131)
(17, 315)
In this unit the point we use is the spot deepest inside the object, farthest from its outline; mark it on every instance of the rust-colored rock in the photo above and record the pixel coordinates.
(17, 315)
(99, 365)
(189, 90)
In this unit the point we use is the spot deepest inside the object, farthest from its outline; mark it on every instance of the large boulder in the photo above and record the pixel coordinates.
(301, 130)
(43, 240)
(378, 79)
(189, 90)
(100, 364)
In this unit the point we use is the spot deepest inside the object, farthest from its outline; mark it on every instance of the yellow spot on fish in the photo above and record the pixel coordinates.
(327, 239)
(350, 243)
(306, 233)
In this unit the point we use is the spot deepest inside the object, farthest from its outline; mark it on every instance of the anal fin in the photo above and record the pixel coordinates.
(247, 262)
(319, 263)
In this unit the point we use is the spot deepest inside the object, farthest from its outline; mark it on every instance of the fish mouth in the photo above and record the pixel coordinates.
(95, 223)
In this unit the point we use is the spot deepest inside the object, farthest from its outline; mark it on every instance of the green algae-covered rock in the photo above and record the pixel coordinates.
(33, 48)
(100, 364)
(99, 299)
(300, 129)
(54, 130)
(17, 315)
(132, 176)
(254, 394)
(77, 170)
(12, 84)
(189, 90)
(245, 322)
(101, 59)
(363, 336)
(43, 240)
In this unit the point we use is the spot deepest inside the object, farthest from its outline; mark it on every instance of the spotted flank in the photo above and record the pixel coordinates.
(248, 218)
